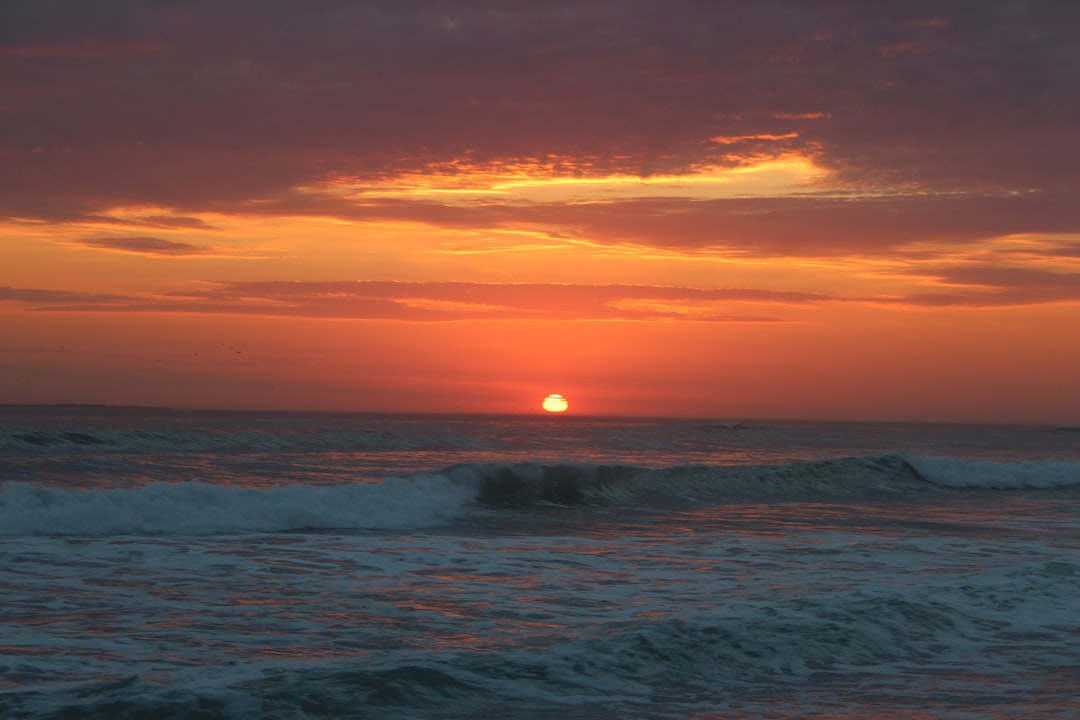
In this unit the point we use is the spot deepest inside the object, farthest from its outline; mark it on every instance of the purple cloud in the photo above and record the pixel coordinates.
(996, 286)
(199, 106)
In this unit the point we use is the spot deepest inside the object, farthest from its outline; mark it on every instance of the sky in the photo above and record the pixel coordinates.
(842, 209)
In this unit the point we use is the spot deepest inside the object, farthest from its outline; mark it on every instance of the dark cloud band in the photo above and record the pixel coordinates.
(200, 105)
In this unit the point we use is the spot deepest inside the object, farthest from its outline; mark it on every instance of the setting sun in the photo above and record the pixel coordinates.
(555, 403)
(275, 225)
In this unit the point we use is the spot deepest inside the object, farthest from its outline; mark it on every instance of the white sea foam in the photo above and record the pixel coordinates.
(199, 508)
(951, 472)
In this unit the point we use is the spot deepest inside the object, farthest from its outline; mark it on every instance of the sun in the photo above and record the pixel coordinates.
(555, 403)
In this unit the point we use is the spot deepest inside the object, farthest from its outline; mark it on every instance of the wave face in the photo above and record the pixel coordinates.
(195, 508)
(431, 499)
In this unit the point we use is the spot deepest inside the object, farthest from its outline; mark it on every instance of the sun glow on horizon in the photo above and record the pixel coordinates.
(555, 403)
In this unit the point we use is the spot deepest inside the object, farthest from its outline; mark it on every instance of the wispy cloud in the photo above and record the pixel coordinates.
(997, 286)
(52, 298)
(809, 225)
(960, 286)
(437, 301)
(144, 245)
(456, 300)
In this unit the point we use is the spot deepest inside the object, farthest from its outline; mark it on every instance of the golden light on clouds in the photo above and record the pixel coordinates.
(749, 176)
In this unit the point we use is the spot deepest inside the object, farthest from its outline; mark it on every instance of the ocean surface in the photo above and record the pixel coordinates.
(176, 564)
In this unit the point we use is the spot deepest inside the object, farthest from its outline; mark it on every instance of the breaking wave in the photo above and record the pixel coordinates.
(196, 508)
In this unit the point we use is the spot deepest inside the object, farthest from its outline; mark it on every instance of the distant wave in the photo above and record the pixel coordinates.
(431, 499)
(216, 440)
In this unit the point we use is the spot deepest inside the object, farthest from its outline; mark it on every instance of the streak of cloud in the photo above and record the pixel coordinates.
(435, 301)
(997, 286)
(441, 301)
(49, 298)
(789, 226)
(144, 246)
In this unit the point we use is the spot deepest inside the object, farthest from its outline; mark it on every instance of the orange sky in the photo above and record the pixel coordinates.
(653, 208)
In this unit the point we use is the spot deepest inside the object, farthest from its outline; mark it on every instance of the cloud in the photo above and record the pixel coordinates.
(964, 286)
(799, 226)
(144, 245)
(992, 285)
(160, 222)
(823, 226)
(1009, 277)
(465, 300)
(47, 298)
(200, 106)
(435, 301)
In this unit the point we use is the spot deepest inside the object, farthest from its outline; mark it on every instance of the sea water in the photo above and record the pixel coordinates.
(168, 564)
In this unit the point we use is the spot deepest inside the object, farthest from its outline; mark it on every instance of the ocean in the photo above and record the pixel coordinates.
(180, 564)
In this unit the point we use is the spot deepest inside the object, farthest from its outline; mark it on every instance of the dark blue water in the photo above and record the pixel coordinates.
(178, 564)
